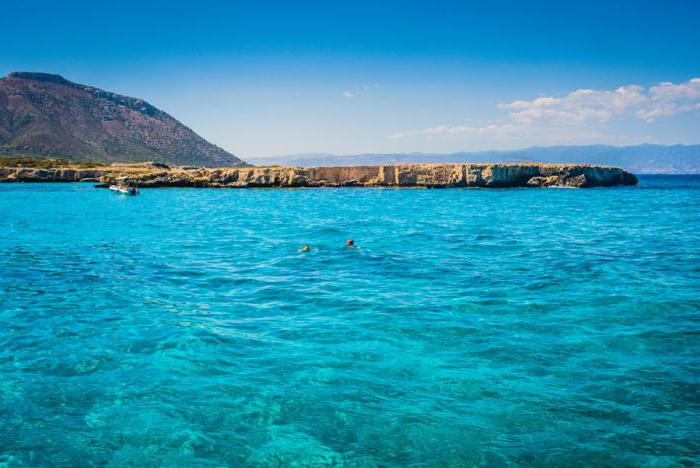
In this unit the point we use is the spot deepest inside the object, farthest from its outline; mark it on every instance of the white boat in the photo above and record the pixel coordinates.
(124, 189)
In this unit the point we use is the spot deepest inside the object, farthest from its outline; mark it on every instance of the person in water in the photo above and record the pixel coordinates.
(306, 248)
(350, 243)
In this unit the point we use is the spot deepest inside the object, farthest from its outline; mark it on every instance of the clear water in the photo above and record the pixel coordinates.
(494, 327)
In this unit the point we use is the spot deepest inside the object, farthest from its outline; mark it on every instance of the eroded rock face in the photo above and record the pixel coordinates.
(400, 175)
(581, 176)
(27, 174)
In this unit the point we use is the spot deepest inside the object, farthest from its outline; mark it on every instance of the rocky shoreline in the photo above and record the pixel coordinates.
(399, 175)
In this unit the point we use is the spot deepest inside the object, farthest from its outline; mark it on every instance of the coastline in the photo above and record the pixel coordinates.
(437, 175)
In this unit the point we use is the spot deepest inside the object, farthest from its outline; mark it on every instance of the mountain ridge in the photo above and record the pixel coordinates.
(46, 115)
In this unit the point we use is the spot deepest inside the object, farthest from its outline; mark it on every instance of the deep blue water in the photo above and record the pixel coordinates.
(183, 327)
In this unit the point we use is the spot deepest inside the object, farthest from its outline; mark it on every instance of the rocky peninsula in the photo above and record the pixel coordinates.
(399, 175)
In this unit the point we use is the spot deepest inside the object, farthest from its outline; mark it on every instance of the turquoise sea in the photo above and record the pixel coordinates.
(183, 327)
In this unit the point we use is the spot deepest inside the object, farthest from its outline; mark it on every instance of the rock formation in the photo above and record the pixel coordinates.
(400, 175)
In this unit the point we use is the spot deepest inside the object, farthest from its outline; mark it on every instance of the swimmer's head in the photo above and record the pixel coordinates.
(350, 243)
(306, 248)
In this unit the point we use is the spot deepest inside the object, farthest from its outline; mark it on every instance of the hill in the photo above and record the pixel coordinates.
(48, 116)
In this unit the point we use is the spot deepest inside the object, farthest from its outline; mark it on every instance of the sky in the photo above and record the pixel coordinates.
(271, 78)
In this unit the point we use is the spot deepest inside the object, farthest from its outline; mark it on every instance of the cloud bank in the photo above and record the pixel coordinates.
(584, 112)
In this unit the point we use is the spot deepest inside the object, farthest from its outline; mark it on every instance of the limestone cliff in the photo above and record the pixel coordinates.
(400, 175)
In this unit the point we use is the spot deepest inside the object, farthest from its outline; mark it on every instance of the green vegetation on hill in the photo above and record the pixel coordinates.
(42, 163)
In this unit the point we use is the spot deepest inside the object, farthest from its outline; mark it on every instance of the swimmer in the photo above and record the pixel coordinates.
(350, 243)
(306, 248)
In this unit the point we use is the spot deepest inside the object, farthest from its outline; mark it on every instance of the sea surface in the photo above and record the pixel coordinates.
(183, 327)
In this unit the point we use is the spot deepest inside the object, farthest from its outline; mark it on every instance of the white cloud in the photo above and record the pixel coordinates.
(671, 99)
(584, 111)
(358, 91)
(580, 105)
(458, 130)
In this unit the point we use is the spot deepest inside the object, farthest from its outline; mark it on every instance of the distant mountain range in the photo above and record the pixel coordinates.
(639, 159)
(48, 116)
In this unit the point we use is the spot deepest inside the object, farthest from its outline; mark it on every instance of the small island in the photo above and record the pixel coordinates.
(436, 175)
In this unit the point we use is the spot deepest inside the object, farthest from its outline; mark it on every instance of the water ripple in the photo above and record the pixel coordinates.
(470, 327)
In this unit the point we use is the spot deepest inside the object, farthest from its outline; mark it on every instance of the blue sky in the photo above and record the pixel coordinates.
(265, 78)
